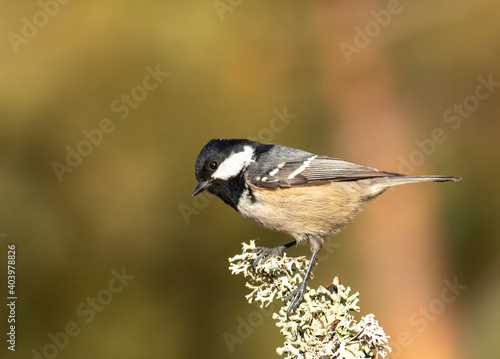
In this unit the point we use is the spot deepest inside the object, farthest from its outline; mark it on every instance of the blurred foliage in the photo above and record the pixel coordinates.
(119, 208)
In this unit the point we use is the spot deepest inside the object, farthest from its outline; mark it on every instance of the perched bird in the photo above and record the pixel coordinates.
(305, 196)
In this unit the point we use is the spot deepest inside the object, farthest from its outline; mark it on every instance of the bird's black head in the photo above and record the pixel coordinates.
(220, 165)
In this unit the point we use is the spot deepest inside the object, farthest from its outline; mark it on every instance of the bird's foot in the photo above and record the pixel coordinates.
(295, 297)
(267, 253)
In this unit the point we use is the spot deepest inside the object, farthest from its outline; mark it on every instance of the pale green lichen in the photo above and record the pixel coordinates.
(274, 279)
(322, 326)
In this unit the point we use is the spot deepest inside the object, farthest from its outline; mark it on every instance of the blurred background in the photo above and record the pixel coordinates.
(105, 106)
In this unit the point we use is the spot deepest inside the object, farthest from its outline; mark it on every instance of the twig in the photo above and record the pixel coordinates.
(322, 326)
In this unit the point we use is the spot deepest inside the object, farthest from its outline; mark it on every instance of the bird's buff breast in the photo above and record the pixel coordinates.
(302, 212)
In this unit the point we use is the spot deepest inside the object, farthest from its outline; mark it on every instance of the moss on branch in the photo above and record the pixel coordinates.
(323, 325)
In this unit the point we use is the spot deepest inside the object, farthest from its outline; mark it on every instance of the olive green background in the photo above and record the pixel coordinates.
(232, 67)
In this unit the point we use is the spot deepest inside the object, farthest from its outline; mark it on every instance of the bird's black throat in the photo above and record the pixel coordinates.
(230, 190)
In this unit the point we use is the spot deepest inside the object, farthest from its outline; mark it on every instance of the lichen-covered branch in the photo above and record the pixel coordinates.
(322, 326)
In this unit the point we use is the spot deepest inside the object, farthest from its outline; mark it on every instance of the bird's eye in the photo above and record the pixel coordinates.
(213, 165)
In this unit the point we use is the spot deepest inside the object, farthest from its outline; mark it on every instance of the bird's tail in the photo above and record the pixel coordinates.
(394, 179)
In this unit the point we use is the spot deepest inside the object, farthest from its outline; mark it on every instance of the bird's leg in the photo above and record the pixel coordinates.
(267, 253)
(297, 295)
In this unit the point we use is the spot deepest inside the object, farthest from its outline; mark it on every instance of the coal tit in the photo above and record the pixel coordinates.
(305, 196)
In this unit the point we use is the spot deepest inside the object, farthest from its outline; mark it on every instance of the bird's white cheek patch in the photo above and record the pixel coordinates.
(234, 164)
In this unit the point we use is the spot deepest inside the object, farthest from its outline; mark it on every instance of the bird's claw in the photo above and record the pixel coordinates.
(267, 253)
(295, 297)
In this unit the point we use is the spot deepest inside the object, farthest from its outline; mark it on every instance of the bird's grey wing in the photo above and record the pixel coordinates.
(312, 170)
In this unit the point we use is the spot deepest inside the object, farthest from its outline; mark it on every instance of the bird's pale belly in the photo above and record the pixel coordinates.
(303, 212)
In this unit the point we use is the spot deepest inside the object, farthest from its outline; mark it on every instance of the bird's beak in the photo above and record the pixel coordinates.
(200, 187)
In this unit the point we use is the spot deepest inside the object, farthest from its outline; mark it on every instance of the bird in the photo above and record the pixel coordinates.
(305, 196)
